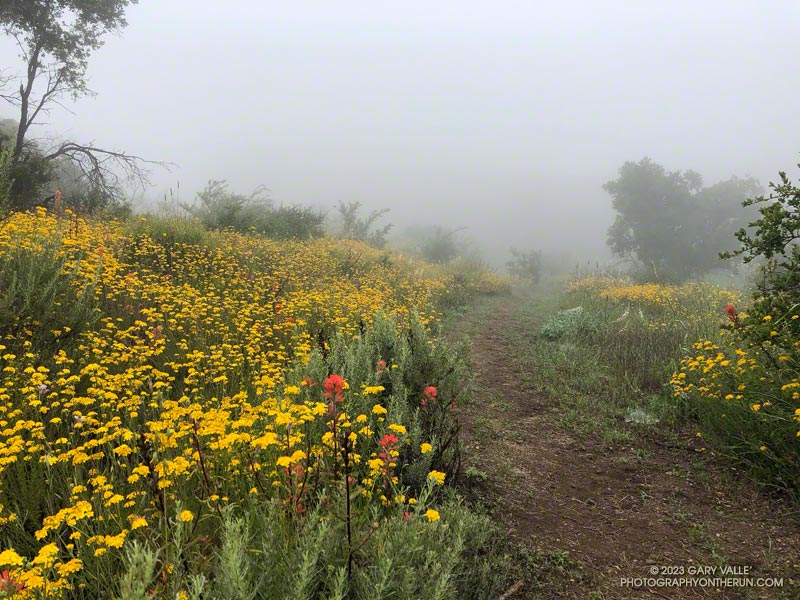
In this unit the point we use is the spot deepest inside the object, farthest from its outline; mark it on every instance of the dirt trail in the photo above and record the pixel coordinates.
(616, 518)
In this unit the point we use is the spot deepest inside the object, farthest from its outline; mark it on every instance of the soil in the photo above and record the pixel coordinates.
(587, 516)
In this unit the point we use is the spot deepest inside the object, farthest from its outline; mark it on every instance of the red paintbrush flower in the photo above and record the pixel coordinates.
(9, 584)
(429, 395)
(333, 388)
(732, 314)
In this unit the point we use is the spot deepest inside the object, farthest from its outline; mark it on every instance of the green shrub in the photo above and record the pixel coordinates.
(439, 245)
(744, 387)
(218, 208)
(571, 323)
(405, 363)
(291, 222)
(745, 396)
(38, 286)
(525, 265)
(169, 231)
(263, 555)
(363, 229)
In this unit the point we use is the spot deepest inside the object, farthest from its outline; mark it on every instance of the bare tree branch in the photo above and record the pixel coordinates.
(105, 169)
(54, 88)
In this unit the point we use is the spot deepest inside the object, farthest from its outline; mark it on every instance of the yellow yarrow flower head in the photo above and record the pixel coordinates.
(437, 477)
(46, 556)
(432, 515)
(425, 447)
(186, 516)
(9, 558)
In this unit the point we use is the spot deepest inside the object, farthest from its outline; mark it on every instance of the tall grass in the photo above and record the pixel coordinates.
(642, 329)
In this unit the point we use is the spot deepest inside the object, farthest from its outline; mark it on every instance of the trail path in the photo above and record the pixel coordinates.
(587, 515)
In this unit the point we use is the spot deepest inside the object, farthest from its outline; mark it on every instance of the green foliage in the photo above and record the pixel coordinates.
(757, 424)
(27, 174)
(31, 173)
(263, 555)
(405, 363)
(235, 578)
(439, 245)
(364, 229)
(291, 223)
(36, 288)
(140, 562)
(67, 31)
(525, 265)
(670, 222)
(774, 238)
(219, 208)
(569, 323)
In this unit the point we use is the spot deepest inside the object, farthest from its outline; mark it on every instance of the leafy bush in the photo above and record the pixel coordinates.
(219, 208)
(290, 223)
(39, 291)
(744, 387)
(363, 229)
(526, 266)
(570, 323)
(263, 555)
(439, 245)
(773, 237)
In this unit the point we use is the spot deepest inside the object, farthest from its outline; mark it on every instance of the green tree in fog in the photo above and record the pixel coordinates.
(669, 222)
(55, 39)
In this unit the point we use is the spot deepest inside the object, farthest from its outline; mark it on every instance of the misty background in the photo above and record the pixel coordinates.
(505, 117)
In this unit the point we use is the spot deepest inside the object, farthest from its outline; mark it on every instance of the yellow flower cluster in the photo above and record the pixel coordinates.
(750, 375)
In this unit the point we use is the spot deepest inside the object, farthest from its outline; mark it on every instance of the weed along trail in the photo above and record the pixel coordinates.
(596, 505)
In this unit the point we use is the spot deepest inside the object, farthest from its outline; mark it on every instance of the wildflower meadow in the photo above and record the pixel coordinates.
(189, 414)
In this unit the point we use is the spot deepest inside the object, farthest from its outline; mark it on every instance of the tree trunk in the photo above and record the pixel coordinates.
(24, 100)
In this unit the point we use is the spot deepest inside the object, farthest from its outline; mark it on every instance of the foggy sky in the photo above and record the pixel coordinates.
(505, 117)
